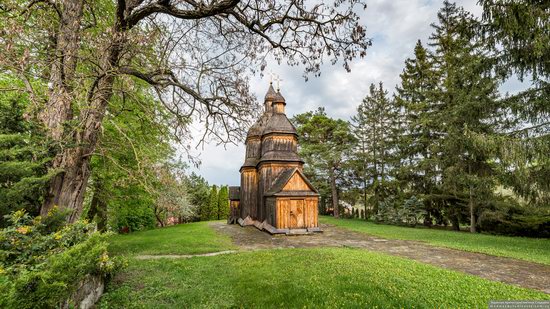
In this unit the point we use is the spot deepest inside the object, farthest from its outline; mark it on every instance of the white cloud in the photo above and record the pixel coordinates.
(394, 26)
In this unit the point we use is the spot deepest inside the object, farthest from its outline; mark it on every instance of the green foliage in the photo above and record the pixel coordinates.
(133, 212)
(303, 278)
(518, 30)
(223, 203)
(24, 156)
(376, 126)
(529, 249)
(135, 184)
(509, 218)
(394, 211)
(325, 146)
(198, 190)
(210, 212)
(43, 261)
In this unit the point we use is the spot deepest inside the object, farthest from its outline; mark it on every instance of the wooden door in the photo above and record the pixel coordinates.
(297, 214)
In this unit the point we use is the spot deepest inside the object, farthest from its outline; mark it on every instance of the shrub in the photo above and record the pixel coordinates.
(509, 218)
(40, 264)
(408, 212)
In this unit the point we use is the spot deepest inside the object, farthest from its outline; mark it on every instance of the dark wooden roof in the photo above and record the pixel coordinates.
(279, 98)
(235, 193)
(287, 156)
(283, 178)
(271, 94)
(279, 123)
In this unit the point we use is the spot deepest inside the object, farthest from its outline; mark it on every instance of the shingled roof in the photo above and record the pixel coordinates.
(271, 94)
(279, 98)
(279, 123)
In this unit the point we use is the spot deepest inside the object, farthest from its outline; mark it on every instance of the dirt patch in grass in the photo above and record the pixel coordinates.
(507, 270)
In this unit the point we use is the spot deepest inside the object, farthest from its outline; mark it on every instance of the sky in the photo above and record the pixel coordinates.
(394, 27)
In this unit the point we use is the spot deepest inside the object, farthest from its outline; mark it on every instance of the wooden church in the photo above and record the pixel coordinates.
(274, 195)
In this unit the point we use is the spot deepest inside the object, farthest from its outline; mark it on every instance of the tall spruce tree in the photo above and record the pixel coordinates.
(375, 126)
(223, 203)
(211, 210)
(415, 96)
(517, 34)
(467, 96)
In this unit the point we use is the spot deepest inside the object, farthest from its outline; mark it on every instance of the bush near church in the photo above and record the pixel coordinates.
(43, 260)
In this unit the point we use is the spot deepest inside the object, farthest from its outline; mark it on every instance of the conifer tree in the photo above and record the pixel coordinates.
(415, 96)
(211, 211)
(223, 203)
(325, 146)
(25, 155)
(375, 127)
(467, 96)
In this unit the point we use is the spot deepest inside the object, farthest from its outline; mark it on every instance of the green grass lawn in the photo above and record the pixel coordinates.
(285, 278)
(192, 238)
(301, 278)
(529, 249)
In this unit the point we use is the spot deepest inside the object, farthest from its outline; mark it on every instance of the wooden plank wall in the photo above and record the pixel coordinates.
(267, 174)
(305, 212)
(296, 183)
(279, 143)
(249, 192)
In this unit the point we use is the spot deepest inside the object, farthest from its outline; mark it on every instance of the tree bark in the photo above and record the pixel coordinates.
(68, 187)
(334, 193)
(471, 205)
(58, 109)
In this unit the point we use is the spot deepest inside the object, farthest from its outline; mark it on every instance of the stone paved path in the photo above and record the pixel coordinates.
(507, 270)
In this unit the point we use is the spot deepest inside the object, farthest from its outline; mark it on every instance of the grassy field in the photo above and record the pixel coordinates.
(192, 238)
(287, 278)
(529, 249)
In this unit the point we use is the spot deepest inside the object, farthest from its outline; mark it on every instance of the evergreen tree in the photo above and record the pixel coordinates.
(467, 96)
(325, 146)
(211, 210)
(517, 35)
(415, 96)
(199, 193)
(25, 155)
(223, 203)
(376, 127)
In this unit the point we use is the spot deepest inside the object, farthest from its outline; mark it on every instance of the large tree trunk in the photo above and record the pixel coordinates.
(365, 195)
(58, 109)
(68, 187)
(471, 204)
(334, 193)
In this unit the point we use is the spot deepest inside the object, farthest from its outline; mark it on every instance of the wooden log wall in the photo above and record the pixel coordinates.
(296, 212)
(296, 183)
(267, 173)
(249, 192)
(253, 147)
(279, 108)
(287, 143)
